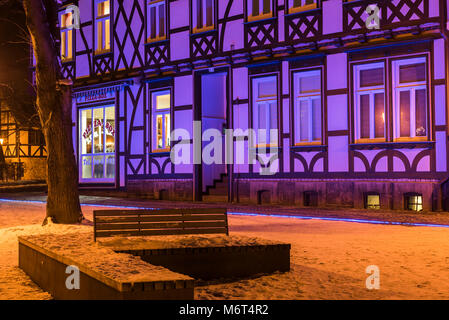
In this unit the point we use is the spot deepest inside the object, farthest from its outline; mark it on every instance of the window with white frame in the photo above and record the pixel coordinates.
(103, 26)
(265, 109)
(259, 9)
(301, 5)
(369, 82)
(307, 106)
(66, 36)
(156, 20)
(410, 99)
(203, 15)
(161, 102)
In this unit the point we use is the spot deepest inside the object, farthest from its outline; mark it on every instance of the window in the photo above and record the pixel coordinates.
(203, 15)
(97, 154)
(161, 102)
(35, 138)
(156, 20)
(103, 22)
(369, 102)
(66, 37)
(413, 202)
(410, 99)
(265, 109)
(307, 107)
(372, 201)
(310, 199)
(301, 5)
(259, 9)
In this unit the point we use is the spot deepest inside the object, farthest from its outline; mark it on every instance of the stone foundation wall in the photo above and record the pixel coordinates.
(34, 168)
(339, 193)
(162, 189)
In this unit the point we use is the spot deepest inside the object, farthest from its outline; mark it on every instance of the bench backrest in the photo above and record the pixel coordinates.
(109, 223)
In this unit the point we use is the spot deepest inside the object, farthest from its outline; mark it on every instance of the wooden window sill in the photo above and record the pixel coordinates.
(104, 51)
(260, 17)
(313, 143)
(161, 150)
(204, 29)
(158, 39)
(376, 140)
(303, 8)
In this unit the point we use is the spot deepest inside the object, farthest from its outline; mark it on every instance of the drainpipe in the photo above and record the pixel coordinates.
(445, 34)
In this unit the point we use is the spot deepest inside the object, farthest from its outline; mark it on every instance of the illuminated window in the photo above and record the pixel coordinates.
(66, 37)
(103, 23)
(410, 99)
(161, 102)
(203, 15)
(156, 20)
(97, 144)
(301, 5)
(413, 202)
(259, 9)
(369, 82)
(265, 109)
(307, 106)
(372, 201)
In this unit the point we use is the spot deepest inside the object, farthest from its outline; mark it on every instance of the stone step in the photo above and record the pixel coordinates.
(215, 198)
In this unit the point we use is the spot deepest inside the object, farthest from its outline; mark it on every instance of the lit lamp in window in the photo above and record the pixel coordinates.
(1, 141)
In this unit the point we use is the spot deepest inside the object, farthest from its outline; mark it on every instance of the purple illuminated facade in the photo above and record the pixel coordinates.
(361, 113)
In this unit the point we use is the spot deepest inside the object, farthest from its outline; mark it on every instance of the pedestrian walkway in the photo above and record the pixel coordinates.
(332, 214)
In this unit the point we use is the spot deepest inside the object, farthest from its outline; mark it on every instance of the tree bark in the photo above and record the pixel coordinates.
(54, 106)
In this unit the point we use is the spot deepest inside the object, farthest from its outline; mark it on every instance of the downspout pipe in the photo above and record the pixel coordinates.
(445, 34)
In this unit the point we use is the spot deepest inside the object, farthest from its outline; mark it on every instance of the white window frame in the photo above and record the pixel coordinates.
(267, 102)
(66, 37)
(261, 15)
(164, 113)
(411, 87)
(104, 45)
(156, 4)
(195, 12)
(309, 97)
(302, 7)
(358, 92)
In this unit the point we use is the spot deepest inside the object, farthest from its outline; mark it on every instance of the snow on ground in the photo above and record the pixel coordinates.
(328, 259)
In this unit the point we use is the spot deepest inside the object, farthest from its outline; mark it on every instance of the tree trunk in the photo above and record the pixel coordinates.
(54, 109)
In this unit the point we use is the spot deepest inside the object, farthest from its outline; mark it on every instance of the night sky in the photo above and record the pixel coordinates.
(15, 58)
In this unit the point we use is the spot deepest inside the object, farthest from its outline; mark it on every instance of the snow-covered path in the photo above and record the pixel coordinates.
(328, 259)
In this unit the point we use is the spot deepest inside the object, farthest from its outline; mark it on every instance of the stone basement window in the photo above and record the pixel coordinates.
(413, 202)
(310, 199)
(372, 201)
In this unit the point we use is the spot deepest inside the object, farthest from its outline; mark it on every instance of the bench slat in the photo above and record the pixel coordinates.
(170, 225)
(200, 217)
(160, 232)
(160, 211)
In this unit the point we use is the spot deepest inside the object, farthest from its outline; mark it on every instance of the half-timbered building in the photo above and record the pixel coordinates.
(23, 155)
(359, 103)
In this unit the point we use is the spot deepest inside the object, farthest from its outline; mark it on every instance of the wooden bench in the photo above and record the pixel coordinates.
(109, 223)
